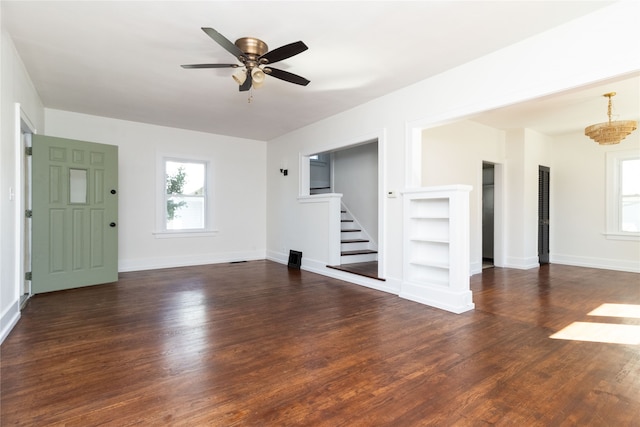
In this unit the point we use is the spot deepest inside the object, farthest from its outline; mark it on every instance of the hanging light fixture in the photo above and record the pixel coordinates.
(258, 76)
(240, 75)
(611, 132)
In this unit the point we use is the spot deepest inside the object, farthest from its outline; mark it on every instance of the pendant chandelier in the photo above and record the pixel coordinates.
(611, 132)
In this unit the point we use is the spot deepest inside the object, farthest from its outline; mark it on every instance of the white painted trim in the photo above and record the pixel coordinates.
(475, 268)
(413, 155)
(304, 178)
(521, 263)
(382, 204)
(9, 319)
(184, 233)
(20, 117)
(499, 215)
(601, 263)
(635, 237)
(614, 161)
(18, 197)
(454, 301)
(319, 198)
(391, 286)
(188, 260)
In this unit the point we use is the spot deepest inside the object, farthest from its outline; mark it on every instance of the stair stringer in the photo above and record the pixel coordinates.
(371, 245)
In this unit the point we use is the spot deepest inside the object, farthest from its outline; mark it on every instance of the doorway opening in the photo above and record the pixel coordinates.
(24, 277)
(543, 214)
(320, 176)
(354, 172)
(488, 214)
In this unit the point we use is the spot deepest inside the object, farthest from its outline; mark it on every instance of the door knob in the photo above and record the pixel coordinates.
(113, 224)
(113, 191)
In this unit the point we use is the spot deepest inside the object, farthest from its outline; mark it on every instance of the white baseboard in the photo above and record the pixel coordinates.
(9, 319)
(632, 266)
(521, 263)
(188, 260)
(475, 268)
(436, 296)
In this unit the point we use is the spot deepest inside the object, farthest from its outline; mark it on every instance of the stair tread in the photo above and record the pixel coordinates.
(360, 252)
(346, 220)
(354, 241)
(350, 230)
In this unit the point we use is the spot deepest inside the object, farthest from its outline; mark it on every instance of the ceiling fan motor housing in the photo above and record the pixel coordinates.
(252, 46)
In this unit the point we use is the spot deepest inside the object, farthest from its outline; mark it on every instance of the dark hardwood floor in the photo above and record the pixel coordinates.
(366, 269)
(259, 344)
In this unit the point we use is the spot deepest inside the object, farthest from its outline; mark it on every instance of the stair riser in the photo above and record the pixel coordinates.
(352, 259)
(354, 246)
(351, 235)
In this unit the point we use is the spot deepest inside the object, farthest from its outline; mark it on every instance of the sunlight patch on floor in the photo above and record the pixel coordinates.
(617, 310)
(600, 332)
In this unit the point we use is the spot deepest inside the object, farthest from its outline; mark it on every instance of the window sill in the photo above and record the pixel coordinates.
(183, 233)
(622, 236)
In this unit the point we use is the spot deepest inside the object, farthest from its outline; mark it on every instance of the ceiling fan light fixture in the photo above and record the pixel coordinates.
(611, 132)
(240, 75)
(258, 76)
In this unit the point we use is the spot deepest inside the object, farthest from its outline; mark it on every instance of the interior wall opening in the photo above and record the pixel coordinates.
(353, 172)
(488, 214)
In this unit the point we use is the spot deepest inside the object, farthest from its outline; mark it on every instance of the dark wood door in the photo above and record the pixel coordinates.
(543, 214)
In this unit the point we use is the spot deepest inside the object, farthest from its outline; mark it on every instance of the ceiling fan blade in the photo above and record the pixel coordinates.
(247, 83)
(224, 42)
(210, 66)
(286, 76)
(284, 52)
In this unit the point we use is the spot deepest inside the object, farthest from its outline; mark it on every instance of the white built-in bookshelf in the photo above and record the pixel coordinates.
(436, 247)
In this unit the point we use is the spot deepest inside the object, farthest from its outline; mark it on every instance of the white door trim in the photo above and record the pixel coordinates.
(23, 125)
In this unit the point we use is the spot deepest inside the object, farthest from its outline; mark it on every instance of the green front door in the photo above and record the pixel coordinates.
(75, 214)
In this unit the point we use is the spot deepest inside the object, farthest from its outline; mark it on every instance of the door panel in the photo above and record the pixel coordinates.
(543, 214)
(75, 208)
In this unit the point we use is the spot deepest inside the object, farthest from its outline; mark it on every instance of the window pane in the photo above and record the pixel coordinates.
(185, 195)
(630, 214)
(77, 186)
(193, 182)
(630, 197)
(189, 215)
(630, 173)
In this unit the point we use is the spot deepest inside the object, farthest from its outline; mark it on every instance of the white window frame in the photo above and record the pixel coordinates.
(613, 192)
(161, 231)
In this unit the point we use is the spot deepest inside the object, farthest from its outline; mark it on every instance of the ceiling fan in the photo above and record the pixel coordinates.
(255, 57)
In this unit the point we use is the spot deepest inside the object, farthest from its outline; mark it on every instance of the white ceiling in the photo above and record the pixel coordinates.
(121, 59)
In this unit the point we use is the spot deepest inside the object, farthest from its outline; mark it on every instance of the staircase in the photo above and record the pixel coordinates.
(355, 244)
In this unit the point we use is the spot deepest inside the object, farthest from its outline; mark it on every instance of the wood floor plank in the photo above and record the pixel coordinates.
(259, 344)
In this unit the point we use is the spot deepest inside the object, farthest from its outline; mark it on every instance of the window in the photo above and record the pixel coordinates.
(185, 195)
(623, 195)
(630, 195)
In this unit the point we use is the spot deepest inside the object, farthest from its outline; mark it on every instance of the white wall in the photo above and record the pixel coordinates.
(453, 154)
(535, 67)
(525, 151)
(356, 178)
(15, 87)
(239, 193)
(577, 200)
(578, 206)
